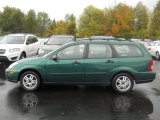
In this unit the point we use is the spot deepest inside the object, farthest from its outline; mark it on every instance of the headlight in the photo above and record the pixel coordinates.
(15, 50)
(41, 51)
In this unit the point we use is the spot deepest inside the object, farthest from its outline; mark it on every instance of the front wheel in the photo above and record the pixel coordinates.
(30, 81)
(123, 83)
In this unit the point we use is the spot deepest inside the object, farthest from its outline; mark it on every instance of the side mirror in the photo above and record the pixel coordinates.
(55, 58)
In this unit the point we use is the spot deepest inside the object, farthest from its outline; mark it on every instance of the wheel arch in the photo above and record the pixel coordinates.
(33, 70)
(127, 72)
(24, 53)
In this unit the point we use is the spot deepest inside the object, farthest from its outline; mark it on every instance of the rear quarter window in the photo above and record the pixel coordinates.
(128, 51)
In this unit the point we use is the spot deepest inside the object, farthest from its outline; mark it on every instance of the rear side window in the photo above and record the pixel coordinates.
(99, 51)
(128, 51)
(34, 40)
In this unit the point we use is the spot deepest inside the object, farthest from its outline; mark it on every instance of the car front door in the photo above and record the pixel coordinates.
(99, 63)
(68, 66)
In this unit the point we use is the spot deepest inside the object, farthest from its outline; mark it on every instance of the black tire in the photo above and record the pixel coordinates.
(129, 82)
(22, 56)
(29, 83)
(157, 55)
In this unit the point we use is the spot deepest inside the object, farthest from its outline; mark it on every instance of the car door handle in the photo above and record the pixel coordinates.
(76, 62)
(109, 61)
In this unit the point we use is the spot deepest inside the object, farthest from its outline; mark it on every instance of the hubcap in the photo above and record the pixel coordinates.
(29, 81)
(123, 83)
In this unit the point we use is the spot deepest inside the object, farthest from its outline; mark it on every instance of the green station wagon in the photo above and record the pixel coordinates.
(87, 62)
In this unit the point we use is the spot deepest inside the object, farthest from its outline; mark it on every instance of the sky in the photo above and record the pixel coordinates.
(57, 9)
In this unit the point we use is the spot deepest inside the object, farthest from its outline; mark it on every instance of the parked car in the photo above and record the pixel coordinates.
(146, 44)
(18, 46)
(55, 42)
(154, 49)
(42, 40)
(97, 62)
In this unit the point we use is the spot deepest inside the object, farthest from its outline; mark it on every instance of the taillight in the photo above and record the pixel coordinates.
(150, 67)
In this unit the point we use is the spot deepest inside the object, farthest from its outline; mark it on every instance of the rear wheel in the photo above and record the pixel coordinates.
(157, 55)
(30, 81)
(123, 83)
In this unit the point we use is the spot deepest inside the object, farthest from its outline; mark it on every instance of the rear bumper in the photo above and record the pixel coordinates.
(145, 77)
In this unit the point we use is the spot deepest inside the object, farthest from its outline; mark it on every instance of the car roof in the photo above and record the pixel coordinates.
(157, 41)
(19, 34)
(111, 41)
(62, 36)
(102, 37)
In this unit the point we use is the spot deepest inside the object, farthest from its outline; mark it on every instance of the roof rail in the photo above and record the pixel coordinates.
(108, 39)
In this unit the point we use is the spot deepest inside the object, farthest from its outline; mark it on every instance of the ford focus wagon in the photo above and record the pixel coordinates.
(119, 64)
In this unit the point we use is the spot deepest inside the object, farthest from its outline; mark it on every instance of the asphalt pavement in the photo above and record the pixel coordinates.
(79, 102)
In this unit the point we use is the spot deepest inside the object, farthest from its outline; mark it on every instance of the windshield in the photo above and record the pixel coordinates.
(12, 40)
(59, 40)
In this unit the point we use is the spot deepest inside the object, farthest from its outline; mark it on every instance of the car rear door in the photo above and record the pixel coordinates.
(99, 63)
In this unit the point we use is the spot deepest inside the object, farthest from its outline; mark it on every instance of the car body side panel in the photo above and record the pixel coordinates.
(138, 76)
(14, 78)
(98, 70)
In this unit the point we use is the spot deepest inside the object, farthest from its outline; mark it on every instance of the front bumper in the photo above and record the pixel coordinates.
(10, 57)
(13, 77)
(3, 58)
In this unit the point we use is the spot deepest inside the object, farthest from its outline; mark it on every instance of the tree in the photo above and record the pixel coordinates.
(141, 20)
(43, 22)
(31, 22)
(90, 22)
(50, 29)
(12, 20)
(141, 14)
(155, 22)
(122, 20)
(60, 28)
(70, 20)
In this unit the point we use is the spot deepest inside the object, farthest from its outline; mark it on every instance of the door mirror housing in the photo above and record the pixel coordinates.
(55, 58)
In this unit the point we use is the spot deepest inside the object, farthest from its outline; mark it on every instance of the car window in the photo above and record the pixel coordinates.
(72, 52)
(128, 50)
(59, 40)
(29, 40)
(34, 40)
(153, 43)
(99, 51)
(12, 40)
